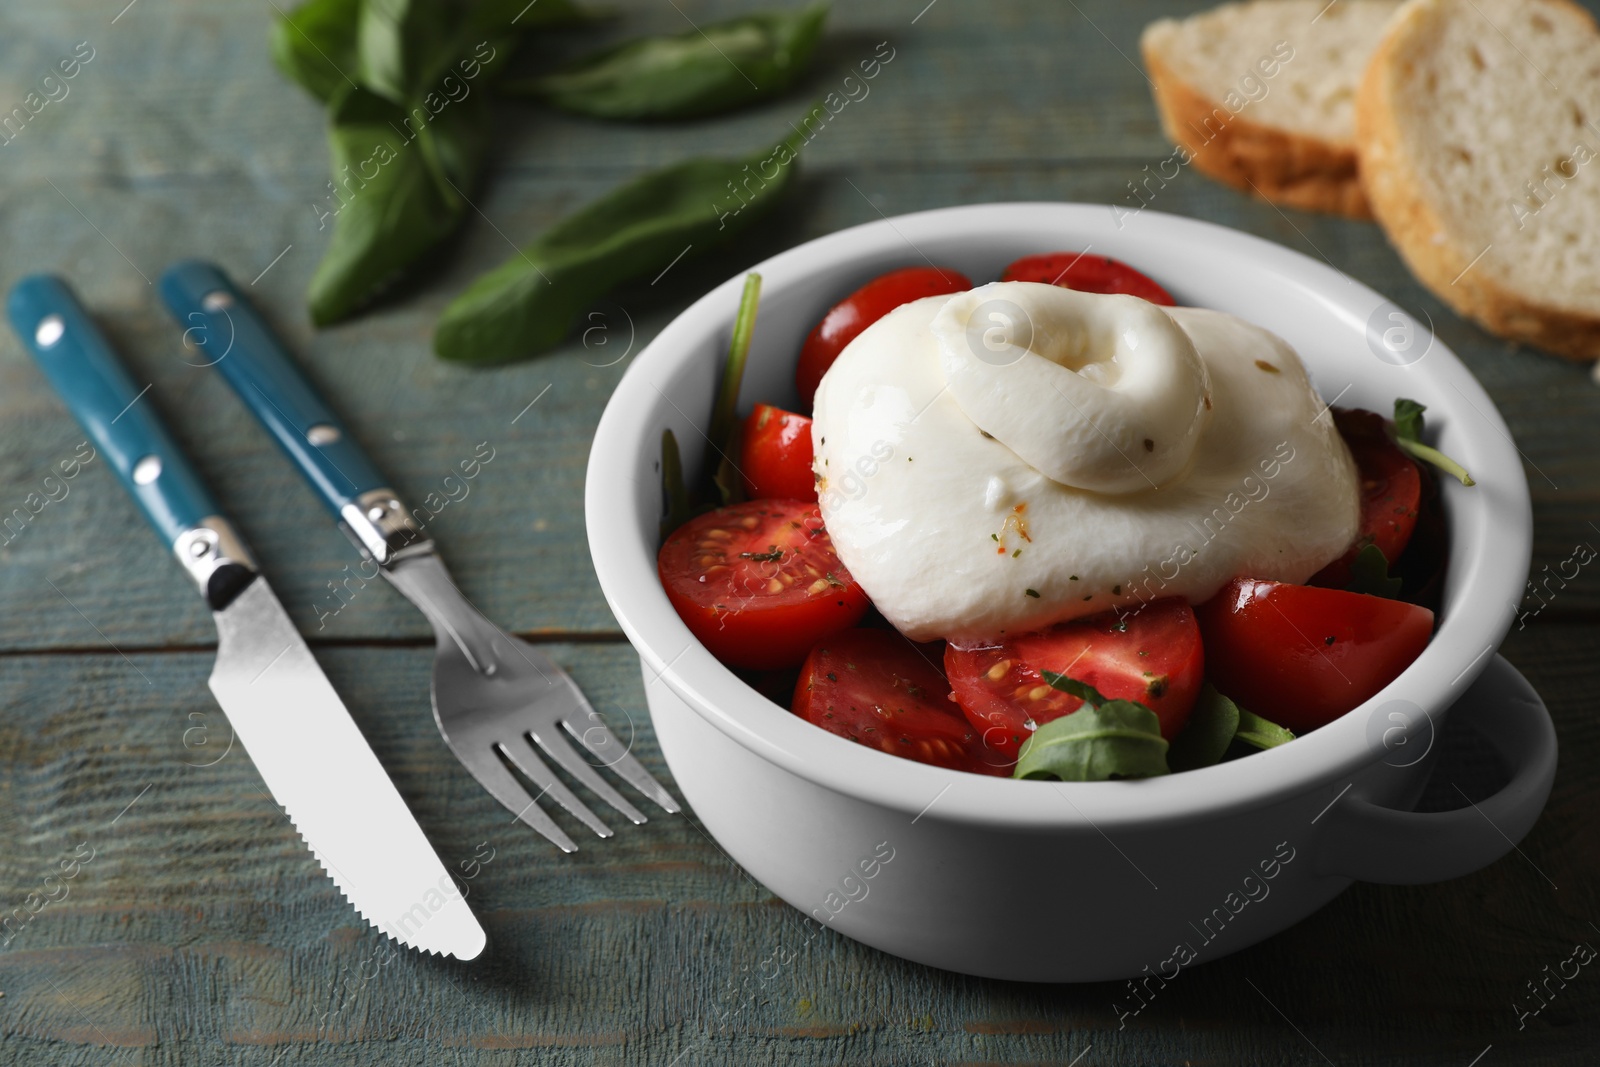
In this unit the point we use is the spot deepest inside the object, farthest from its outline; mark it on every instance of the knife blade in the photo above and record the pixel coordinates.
(309, 751)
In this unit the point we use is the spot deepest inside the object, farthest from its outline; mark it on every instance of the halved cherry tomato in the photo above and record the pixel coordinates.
(878, 689)
(1152, 655)
(1087, 274)
(775, 455)
(1391, 492)
(758, 583)
(861, 309)
(1302, 656)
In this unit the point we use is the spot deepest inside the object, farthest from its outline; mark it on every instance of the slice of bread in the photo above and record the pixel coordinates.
(1479, 130)
(1261, 94)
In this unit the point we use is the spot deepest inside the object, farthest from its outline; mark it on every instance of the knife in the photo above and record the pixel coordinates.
(281, 706)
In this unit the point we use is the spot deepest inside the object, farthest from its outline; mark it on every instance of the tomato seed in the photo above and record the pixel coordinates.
(1039, 692)
(998, 671)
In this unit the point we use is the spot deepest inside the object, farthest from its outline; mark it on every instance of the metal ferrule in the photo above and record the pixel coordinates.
(380, 526)
(216, 560)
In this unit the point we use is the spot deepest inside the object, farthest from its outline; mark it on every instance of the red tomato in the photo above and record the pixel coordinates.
(1303, 656)
(1152, 656)
(1088, 274)
(861, 309)
(1391, 492)
(878, 689)
(775, 455)
(758, 583)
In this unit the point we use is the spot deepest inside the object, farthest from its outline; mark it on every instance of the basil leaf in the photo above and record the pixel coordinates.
(395, 198)
(1081, 690)
(403, 46)
(315, 45)
(528, 304)
(1261, 733)
(520, 16)
(1206, 736)
(1408, 435)
(1117, 739)
(1369, 573)
(702, 71)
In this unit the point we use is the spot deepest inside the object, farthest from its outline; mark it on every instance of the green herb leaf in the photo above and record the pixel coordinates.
(315, 45)
(725, 410)
(1261, 733)
(677, 495)
(528, 304)
(395, 198)
(1369, 573)
(1206, 736)
(1081, 690)
(702, 71)
(1408, 435)
(1116, 739)
(403, 46)
(519, 16)
(1408, 419)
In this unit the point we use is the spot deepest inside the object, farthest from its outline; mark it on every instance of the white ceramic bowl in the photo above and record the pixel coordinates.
(1048, 881)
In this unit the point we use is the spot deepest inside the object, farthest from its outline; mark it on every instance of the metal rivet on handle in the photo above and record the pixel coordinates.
(322, 434)
(49, 331)
(216, 300)
(147, 470)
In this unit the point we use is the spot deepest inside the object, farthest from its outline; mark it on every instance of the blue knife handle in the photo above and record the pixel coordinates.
(86, 372)
(238, 342)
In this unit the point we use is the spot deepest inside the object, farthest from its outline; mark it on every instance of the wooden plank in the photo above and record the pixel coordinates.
(192, 163)
(200, 930)
(517, 541)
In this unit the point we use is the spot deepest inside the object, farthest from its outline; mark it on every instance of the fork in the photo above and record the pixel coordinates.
(494, 695)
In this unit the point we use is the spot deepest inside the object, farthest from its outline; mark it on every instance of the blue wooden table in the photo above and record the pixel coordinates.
(197, 930)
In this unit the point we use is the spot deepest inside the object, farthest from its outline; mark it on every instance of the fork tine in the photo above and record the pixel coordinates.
(526, 759)
(504, 787)
(575, 765)
(603, 744)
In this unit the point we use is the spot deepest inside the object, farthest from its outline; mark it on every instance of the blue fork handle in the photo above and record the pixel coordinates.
(239, 344)
(84, 369)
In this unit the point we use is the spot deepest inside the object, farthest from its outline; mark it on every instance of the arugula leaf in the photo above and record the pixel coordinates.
(1215, 724)
(1408, 435)
(1369, 573)
(1408, 419)
(678, 509)
(315, 45)
(528, 304)
(725, 430)
(1261, 733)
(701, 71)
(1208, 733)
(396, 199)
(1081, 690)
(1116, 739)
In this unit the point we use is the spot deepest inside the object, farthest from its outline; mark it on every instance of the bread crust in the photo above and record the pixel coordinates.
(1275, 164)
(1417, 228)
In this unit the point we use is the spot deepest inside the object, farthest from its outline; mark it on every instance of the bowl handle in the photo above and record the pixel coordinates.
(1370, 843)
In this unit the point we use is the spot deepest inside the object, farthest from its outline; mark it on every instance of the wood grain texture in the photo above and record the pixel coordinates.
(202, 933)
